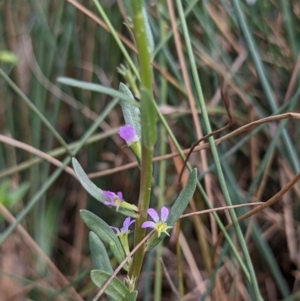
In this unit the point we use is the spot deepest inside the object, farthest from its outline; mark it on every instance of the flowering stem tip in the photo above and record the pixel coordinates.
(113, 199)
(129, 135)
(123, 233)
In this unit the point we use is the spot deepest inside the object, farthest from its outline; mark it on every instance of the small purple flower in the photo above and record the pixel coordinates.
(112, 198)
(125, 229)
(128, 133)
(159, 224)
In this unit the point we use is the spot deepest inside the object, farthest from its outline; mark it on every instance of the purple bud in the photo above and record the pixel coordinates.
(128, 133)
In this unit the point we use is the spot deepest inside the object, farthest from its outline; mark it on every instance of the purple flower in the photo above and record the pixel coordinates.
(112, 198)
(123, 232)
(159, 224)
(125, 229)
(128, 133)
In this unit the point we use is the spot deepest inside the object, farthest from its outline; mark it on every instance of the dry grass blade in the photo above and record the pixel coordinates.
(269, 202)
(36, 152)
(220, 209)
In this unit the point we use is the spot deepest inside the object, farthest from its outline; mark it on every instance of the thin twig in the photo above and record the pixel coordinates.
(37, 152)
(203, 146)
(220, 209)
(266, 204)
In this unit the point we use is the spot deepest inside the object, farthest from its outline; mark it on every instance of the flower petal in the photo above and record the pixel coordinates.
(164, 213)
(148, 224)
(108, 194)
(109, 203)
(152, 212)
(120, 196)
(128, 133)
(116, 229)
(126, 223)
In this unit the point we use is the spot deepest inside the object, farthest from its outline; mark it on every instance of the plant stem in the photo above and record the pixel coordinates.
(139, 29)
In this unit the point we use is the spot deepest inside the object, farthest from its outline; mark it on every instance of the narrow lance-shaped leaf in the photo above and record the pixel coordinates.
(88, 185)
(95, 87)
(95, 191)
(99, 254)
(116, 289)
(131, 113)
(105, 233)
(178, 207)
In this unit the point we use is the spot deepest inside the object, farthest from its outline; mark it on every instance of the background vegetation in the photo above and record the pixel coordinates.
(254, 50)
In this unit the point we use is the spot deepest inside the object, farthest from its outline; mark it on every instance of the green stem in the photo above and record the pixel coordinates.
(146, 75)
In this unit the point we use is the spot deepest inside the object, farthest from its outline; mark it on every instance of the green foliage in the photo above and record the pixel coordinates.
(116, 289)
(96, 88)
(131, 296)
(9, 57)
(9, 198)
(99, 254)
(96, 192)
(88, 185)
(105, 233)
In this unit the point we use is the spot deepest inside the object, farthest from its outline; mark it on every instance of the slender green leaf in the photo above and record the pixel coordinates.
(104, 232)
(178, 208)
(96, 88)
(95, 191)
(183, 199)
(99, 254)
(116, 289)
(88, 185)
